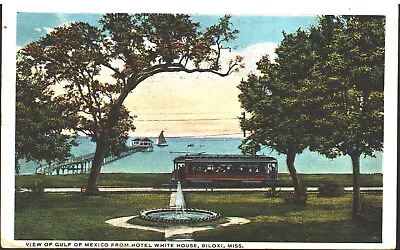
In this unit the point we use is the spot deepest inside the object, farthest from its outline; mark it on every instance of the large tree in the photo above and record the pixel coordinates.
(350, 66)
(279, 102)
(133, 48)
(329, 90)
(41, 120)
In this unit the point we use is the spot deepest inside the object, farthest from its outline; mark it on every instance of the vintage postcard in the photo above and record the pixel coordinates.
(201, 125)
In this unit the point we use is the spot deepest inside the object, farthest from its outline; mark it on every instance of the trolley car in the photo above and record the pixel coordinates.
(192, 168)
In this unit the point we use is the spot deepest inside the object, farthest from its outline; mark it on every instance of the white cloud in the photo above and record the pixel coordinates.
(38, 29)
(254, 53)
(48, 30)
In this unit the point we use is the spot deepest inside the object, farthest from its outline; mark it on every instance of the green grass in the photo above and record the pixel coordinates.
(321, 220)
(78, 217)
(314, 180)
(105, 180)
(143, 222)
(157, 180)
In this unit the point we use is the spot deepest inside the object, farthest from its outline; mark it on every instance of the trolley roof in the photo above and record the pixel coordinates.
(223, 158)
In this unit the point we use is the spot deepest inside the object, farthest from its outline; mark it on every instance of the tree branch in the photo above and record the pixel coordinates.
(88, 102)
(120, 75)
(177, 67)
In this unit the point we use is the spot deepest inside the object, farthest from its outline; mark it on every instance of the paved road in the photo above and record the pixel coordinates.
(282, 189)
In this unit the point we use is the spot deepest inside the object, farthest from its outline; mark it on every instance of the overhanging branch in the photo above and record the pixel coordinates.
(177, 67)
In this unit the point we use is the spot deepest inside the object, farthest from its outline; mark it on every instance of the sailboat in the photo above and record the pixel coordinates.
(161, 142)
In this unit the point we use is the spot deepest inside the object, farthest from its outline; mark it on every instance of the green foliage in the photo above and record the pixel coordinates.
(324, 91)
(330, 189)
(154, 43)
(41, 120)
(272, 192)
(73, 55)
(37, 188)
(277, 99)
(350, 64)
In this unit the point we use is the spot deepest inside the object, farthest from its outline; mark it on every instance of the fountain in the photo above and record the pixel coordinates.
(176, 216)
(177, 212)
(179, 200)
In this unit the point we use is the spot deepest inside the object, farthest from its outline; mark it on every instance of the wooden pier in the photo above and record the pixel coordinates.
(81, 164)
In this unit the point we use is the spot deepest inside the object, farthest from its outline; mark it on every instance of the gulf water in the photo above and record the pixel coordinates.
(161, 159)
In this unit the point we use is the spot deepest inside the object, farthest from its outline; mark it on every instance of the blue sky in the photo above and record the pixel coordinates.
(258, 29)
(253, 29)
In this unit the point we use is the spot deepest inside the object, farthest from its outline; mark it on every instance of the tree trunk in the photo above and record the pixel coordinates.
(355, 159)
(290, 157)
(99, 155)
(102, 144)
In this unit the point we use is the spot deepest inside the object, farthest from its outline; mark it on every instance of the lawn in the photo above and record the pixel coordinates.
(321, 220)
(80, 217)
(75, 216)
(105, 180)
(157, 180)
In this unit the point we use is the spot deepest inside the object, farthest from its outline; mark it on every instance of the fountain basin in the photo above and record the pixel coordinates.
(171, 215)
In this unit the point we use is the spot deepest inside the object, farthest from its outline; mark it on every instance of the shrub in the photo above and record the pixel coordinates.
(330, 189)
(272, 192)
(37, 187)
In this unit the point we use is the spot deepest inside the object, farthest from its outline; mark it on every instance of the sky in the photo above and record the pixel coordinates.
(181, 104)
